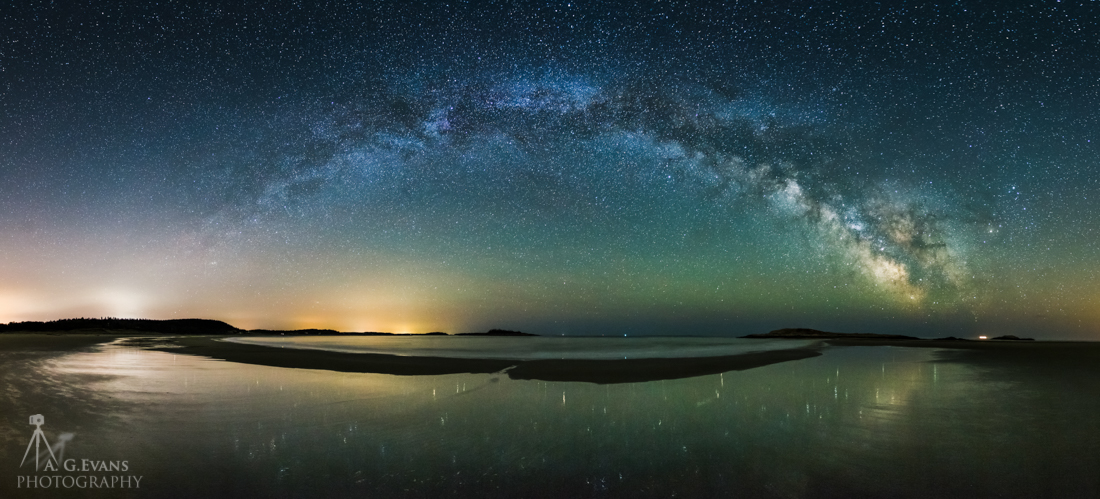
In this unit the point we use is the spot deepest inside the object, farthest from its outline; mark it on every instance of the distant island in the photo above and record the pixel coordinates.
(186, 327)
(308, 332)
(804, 333)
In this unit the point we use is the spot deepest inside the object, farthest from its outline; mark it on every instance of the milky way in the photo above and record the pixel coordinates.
(560, 168)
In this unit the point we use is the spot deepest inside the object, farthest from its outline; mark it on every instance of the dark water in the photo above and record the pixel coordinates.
(857, 421)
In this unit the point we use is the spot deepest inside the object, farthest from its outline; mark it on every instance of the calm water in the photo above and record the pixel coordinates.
(868, 421)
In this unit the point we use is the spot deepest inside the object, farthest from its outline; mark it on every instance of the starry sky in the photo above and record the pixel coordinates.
(577, 168)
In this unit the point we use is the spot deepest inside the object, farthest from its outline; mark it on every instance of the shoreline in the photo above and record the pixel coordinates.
(1084, 355)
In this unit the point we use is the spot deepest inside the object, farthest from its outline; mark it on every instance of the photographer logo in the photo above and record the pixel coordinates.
(69, 473)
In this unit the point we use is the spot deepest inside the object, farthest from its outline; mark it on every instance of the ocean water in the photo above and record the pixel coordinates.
(856, 421)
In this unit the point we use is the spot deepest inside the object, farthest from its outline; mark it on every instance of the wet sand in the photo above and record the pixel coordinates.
(958, 419)
(59, 342)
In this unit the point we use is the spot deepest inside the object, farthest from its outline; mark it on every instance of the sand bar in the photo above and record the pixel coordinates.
(584, 370)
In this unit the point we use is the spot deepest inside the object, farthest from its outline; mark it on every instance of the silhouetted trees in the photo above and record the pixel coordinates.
(171, 326)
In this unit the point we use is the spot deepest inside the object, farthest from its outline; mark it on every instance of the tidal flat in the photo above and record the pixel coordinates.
(899, 419)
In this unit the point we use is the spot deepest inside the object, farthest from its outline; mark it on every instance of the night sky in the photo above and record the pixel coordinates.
(556, 168)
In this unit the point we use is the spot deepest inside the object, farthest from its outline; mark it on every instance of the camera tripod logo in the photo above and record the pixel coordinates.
(39, 438)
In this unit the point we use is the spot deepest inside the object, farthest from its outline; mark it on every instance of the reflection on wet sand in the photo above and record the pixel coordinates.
(854, 421)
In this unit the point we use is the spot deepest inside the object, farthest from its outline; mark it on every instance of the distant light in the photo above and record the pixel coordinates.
(983, 338)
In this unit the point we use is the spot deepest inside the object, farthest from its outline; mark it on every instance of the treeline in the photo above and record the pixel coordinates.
(310, 332)
(171, 326)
